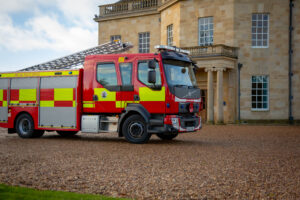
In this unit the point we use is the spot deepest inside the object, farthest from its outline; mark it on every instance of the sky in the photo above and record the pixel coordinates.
(37, 31)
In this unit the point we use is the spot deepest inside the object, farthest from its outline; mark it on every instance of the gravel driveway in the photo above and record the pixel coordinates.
(219, 162)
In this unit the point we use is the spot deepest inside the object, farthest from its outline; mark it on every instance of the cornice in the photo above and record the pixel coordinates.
(127, 15)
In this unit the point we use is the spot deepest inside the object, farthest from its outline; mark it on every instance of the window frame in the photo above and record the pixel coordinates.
(113, 37)
(157, 87)
(208, 30)
(262, 95)
(109, 87)
(139, 43)
(131, 78)
(170, 35)
(256, 27)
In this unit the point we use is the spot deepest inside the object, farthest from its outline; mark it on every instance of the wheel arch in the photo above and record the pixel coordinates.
(133, 109)
(19, 114)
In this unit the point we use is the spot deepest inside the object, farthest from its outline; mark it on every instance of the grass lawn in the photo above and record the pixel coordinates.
(16, 193)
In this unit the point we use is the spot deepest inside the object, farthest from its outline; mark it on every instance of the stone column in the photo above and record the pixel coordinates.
(220, 100)
(210, 96)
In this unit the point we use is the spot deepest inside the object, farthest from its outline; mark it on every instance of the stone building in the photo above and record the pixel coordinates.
(223, 37)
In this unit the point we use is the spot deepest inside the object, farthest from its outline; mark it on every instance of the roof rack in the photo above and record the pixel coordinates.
(75, 61)
(171, 48)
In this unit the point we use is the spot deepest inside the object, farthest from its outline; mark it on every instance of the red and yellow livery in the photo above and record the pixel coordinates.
(136, 95)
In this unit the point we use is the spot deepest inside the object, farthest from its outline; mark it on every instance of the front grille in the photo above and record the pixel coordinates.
(189, 121)
(190, 124)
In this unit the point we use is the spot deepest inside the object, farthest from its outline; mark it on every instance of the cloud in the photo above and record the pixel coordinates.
(61, 25)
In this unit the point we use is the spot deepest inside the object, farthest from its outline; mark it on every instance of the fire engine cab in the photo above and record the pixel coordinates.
(136, 95)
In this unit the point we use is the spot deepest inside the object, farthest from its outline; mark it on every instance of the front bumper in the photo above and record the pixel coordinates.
(175, 123)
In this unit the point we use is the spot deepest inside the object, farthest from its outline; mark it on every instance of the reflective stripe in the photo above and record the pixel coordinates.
(60, 127)
(104, 94)
(14, 102)
(3, 102)
(58, 103)
(123, 104)
(63, 94)
(46, 103)
(118, 104)
(186, 100)
(88, 102)
(147, 94)
(88, 105)
(27, 95)
(35, 74)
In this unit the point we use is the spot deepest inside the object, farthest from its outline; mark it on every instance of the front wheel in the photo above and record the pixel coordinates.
(25, 126)
(164, 136)
(67, 133)
(135, 130)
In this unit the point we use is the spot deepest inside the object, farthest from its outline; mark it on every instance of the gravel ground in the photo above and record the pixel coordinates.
(218, 162)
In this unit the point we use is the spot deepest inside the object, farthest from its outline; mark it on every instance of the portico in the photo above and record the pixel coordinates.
(217, 72)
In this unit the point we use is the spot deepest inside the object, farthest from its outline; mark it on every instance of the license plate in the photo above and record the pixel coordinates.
(190, 128)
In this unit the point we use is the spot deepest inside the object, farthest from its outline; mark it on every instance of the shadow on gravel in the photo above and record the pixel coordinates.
(154, 141)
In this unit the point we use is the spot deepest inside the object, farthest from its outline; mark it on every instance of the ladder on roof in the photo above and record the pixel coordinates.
(75, 61)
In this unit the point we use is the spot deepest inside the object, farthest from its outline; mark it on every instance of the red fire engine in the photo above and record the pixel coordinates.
(136, 95)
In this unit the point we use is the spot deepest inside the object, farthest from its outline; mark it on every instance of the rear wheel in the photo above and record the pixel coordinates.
(165, 136)
(25, 126)
(135, 130)
(67, 133)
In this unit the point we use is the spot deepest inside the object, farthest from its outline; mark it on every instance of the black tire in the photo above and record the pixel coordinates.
(67, 133)
(38, 133)
(25, 126)
(165, 136)
(135, 130)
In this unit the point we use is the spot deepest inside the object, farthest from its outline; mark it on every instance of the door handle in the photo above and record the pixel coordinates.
(136, 97)
(95, 97)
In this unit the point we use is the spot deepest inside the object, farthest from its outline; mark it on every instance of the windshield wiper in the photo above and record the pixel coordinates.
(193, 86)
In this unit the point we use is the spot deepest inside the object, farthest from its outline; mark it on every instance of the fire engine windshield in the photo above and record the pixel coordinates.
(179, 74)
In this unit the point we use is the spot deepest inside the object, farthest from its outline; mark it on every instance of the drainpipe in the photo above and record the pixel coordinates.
(291, 118)
(239, 91)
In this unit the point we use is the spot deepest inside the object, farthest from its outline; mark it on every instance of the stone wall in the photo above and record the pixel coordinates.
(272, 61)
(129, 28)
(191, 11)
(171, 16)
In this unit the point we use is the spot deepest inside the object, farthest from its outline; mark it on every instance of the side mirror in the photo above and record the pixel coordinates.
(151, 64)
(152, 76)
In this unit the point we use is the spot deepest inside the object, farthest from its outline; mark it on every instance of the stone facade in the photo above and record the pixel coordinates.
(296, 61)
(130, 28)
(218, 73)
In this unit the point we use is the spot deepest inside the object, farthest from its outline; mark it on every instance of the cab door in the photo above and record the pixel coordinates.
(107, 91)
(151, 96)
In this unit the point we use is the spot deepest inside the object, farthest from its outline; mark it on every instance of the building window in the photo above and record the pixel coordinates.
(170, 35)
(115, 37)
(144, 42)
(260, 30)
(260, 93)
(206, 31)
